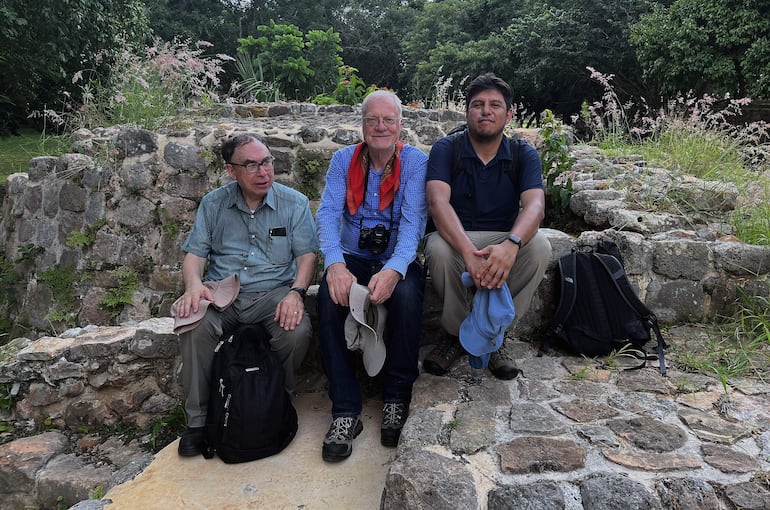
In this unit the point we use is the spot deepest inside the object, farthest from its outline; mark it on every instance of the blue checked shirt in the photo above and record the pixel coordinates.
(338, 230)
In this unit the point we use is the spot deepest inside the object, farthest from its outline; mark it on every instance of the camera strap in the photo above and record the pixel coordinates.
(366, 187)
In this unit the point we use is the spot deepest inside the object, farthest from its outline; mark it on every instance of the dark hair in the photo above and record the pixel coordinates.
(488, 81)
(232, 143)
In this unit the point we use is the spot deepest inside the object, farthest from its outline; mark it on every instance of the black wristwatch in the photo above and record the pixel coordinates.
(515, 240)
(299, 290)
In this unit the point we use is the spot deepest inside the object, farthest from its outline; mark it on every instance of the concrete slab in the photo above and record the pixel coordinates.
(295, 478)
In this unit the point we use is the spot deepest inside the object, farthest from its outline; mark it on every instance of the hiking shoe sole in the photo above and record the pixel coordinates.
(336, 451)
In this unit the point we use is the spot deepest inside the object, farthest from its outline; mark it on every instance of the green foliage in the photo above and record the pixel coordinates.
(373, 33)
(706, 46)
(97, 492)
(253, 86)
(16, 151)
(556, 161)
(81, 238)
(9, 278)
(301, 65)
(551, 43)
(146, 89)
(322, 50)
(27, 254)
(60, 280)
(168, 428)
(126, 282)
(695, 136)
(350, 90)
(752, 224)
(310, 170)
(6, 399)
(46, 41)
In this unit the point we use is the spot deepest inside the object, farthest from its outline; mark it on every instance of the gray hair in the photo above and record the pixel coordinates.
(380, 94)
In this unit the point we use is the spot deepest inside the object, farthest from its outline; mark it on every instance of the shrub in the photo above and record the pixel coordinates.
(145, 89)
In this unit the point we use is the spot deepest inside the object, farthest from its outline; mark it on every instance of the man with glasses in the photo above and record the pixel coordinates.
(371, 219)
(486, 219)
(264, 233)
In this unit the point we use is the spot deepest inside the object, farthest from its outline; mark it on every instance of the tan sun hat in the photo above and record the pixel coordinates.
(223, 293)
(364, 327)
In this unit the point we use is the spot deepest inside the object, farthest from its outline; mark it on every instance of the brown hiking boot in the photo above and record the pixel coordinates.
(501, 364)
(443, 355)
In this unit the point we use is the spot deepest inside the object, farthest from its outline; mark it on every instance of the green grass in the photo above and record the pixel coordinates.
(708, 156)
(16, 151)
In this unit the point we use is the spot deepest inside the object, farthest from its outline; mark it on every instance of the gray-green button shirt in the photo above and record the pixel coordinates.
(259, 246)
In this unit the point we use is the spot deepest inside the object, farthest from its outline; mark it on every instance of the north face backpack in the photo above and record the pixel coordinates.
(250, 414)
(598, 310)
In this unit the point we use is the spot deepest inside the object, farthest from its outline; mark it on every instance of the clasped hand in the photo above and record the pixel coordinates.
(491, 265)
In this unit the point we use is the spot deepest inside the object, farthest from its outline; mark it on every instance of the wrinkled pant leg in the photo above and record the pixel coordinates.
(445, 266)
(290, 346)
(528, 271)
(338, 360)
(197, 348)
(403, 329)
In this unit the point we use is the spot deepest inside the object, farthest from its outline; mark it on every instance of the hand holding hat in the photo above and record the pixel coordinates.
(364, 328)
(483, 329)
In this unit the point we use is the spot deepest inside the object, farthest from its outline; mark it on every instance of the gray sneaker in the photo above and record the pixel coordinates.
(338, 441)
(393, 418)
(501, 364)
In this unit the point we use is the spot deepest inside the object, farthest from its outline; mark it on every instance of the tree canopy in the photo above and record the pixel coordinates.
(45, 42)
(707, 46)
(424, 50)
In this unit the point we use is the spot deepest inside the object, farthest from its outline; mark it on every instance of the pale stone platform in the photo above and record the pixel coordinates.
(296, 478)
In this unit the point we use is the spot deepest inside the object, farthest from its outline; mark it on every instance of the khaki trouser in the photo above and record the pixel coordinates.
(446, 266)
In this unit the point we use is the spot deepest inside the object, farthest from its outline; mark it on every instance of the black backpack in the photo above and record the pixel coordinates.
(250, 414)
(598, 310)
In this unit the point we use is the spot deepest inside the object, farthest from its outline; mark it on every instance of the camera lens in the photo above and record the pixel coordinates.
(375, 239)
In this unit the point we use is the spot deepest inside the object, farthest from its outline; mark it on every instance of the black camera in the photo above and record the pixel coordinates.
(375, 239)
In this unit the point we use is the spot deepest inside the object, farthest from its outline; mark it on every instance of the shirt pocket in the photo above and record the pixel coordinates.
(279, 247)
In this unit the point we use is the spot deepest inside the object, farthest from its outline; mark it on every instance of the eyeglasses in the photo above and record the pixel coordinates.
(374, 121)
(253, 167)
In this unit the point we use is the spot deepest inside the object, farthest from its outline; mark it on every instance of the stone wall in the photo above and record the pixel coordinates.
(131, 195)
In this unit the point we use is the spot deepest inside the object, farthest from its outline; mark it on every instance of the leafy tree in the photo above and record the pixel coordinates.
(322, 50)
(45, 42)
(371, 33)
(213, 21)
(707, 46)
(553, 42)
(432, 49)
(301, 66)
(541, 47)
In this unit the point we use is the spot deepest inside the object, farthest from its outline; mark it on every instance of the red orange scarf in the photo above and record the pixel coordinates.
(389, 183)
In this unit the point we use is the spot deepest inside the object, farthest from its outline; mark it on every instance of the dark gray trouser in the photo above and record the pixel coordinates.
(198, 345)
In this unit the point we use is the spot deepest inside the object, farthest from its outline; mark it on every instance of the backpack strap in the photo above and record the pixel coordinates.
(509, 167)
(615, 268)
(568, 293)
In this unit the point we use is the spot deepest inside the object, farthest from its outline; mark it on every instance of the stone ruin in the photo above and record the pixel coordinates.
(125, 198)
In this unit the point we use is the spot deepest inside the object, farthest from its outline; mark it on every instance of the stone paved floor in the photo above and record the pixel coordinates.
(566, 434)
